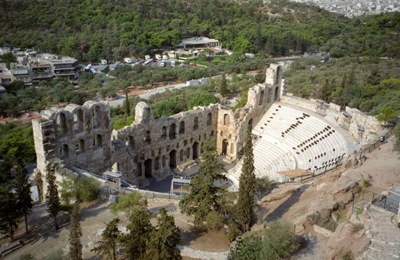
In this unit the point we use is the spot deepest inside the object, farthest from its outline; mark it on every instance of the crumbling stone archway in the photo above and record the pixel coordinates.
(225, 147)
(172, 159)
(148, 168)
(195, 150)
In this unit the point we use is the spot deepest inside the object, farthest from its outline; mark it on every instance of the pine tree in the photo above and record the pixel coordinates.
(9, 212)
(245, 204)
(23, 190)
(75, 233)
(54, 205)
(140, 229)
(164, 240)
(205, 199)
(111, 236)
(224, 86)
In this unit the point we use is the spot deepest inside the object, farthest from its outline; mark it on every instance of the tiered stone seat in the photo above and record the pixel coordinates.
(288, 139)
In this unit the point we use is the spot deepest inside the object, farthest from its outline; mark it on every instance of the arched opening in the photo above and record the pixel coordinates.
(65, 150)
(261, 100)
(148, 168)
(276, 94)
(147, 138)
(212, 133)
(188, 153)
(196, 123)
(224, 146)
(195, 150)
(96, 117)
(99, 141)
(81, 145)
(163, 161)
(269, 97)
(232, 150)
(139, 170)
(172, 131)
(250, 123)
(172, 159)
(182, 127)
(79, 121)
(163, 133)
(226, 119)
(131, 142)
(277, 75)
(181, 156)
(209, 119)
(157, 164)
(62, 124)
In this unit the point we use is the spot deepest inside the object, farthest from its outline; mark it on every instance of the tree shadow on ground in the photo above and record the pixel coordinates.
(170, 208)
(93, 210)
(191, 235)
(285, 206)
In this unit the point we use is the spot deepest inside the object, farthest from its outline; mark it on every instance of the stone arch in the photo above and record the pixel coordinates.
(188, 153)
(139, 170)
(65, 150)
(61, 121)
(96, 116)
(209, 119)
(196, 123)
(195, 148)
(226, 119)
(79, 120)
(261, 99)
(250, 123)
(99, 140)
(163, 133)
(148, 168)
(172, 131)
(276, 94)
(181, 158)
(172, 159)
(147, 138)
(225, 147)
(182, 127)
(81, 145)
(163, 161)
(131, 142)
(157, 164)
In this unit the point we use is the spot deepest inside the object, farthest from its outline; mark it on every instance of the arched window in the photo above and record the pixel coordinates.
(99, 140)
(79, 121)
(226, 119)
(163, 133)
(62, 124)
(209, 119)
(172, 131)
(96, 117)
(147, 138)
(182, 127)
(196, 123)
(261, 100)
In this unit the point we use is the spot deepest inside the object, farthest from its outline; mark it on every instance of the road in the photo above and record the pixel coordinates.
(120, 98)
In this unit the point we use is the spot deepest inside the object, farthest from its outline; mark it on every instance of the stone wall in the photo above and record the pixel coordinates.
(82, 136)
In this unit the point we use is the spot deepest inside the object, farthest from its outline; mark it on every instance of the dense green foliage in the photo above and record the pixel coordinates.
(205, 201)
(128, 203)
(261, 187)
(23, 191)
(75, 233)
(92, 30)
(16, 143)
(108, 246)
(245, 204)
(164, 241)
(79, 188)
(277, 241)
(9, 211)
(369, 84)
(396, 133)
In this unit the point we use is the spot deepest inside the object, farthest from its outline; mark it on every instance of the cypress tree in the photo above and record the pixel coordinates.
(54, 205)
(75, 233)
(245, 204)
(23, 190)
(224, 86)
(9, 212)
(111, 237)
(164, 240)
(205, 199)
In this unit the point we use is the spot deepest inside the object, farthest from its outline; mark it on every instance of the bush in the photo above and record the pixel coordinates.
(277, 241)
(81, 187)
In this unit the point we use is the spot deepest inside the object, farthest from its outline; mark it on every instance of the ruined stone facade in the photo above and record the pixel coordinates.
(82, 136)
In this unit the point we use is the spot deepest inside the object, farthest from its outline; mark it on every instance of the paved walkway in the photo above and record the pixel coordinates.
(384, 235)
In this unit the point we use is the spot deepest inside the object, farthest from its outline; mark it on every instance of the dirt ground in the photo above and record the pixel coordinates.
(44, 240)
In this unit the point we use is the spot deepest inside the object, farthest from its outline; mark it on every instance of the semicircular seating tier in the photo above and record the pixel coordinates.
(292, 138)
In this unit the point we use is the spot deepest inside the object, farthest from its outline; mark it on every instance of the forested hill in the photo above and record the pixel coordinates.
(94, 29)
